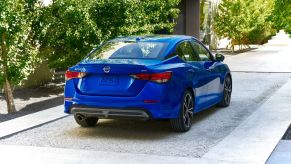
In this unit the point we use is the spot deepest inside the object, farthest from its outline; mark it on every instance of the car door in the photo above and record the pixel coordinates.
(209, 64)
(197, 74)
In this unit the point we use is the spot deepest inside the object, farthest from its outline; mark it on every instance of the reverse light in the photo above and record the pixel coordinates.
(155, 77)
(150, 101)
(68, 98)
(72, 75)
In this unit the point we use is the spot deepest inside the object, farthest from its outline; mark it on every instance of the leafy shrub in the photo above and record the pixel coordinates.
(71, 28)
(244, 22)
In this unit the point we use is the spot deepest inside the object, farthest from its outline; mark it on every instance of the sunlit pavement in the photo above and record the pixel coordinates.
(245, 132)
(281, 154)
(273, 57)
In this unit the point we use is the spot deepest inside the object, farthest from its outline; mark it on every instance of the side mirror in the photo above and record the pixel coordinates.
(219, 57)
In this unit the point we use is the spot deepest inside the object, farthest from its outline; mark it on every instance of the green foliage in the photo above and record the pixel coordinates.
(244, 22)
(71, 28)
(17, 55)
(281, 15)
(66, 32)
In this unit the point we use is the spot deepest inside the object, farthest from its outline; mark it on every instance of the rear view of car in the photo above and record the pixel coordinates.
(139, 78)
(116, 81)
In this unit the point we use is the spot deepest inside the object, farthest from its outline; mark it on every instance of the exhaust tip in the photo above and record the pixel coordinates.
(80, 117)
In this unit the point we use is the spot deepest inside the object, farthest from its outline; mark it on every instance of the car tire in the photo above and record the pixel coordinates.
(227, 89)
(184, 121)
(85, 121)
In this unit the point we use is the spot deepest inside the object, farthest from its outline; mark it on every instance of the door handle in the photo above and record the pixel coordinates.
(191, 70)
(209, 69)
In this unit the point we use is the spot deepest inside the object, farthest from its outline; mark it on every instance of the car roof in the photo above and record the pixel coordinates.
(172, 39)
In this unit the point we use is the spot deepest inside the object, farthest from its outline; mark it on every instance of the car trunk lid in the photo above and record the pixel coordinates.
(112, 77)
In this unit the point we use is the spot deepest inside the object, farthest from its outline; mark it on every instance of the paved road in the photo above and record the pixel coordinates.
(155, 137)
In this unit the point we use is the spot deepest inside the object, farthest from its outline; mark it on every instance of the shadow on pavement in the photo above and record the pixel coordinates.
(134, 129)
(34, 107)
(27, 93)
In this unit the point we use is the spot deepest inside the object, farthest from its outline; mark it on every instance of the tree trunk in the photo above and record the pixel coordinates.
(9, 97)
(7, 86)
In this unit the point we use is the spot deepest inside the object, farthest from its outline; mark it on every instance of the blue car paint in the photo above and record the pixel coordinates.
(204, 78)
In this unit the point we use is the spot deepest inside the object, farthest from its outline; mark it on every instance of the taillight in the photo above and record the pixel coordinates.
(155, 77)
(71, 75)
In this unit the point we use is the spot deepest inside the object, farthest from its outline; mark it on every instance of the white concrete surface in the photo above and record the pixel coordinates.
(271, 59)
(45, 155)
(268, 58)
(255, 139)
(282, 153)
(31, 120)
(281, 39)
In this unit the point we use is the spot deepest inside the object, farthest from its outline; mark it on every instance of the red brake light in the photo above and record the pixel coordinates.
(155, 77)
(71, 75)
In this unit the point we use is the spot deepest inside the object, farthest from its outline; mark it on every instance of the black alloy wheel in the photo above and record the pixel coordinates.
(226, 92)
(184, 121)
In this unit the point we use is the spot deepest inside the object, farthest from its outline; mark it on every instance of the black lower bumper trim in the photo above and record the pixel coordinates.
(110, 113)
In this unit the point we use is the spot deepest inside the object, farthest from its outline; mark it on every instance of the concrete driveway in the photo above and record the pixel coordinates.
(156, 137)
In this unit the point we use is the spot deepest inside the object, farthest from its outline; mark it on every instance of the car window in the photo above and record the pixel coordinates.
(129, 50)
(203, 54)
(185, 51)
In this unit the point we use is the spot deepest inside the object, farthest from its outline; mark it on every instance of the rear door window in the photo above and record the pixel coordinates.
(200, 51)
(185, 52)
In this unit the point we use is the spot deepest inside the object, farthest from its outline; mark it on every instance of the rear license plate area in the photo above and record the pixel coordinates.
(109, 80)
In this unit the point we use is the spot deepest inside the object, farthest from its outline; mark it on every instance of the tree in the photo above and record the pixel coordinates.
(281, 15)
(134, 17)
(17, 55)
(72, 28)
(243, 21)
(66, 32)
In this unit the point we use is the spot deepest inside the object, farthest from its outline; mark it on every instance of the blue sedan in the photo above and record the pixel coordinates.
(147, 77)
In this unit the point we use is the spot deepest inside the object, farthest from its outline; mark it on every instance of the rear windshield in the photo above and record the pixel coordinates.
(129, 50)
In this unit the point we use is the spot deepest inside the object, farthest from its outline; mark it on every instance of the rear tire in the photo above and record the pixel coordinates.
(85, 121)
(184, 121)
(227, 89)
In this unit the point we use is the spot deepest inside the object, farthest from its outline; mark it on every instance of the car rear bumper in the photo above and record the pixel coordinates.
(132, 113)
(158, 101)
(132, 109)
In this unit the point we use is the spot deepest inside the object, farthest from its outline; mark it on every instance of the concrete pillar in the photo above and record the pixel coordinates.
(188, 22)
(180, 28)
(193, 18)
